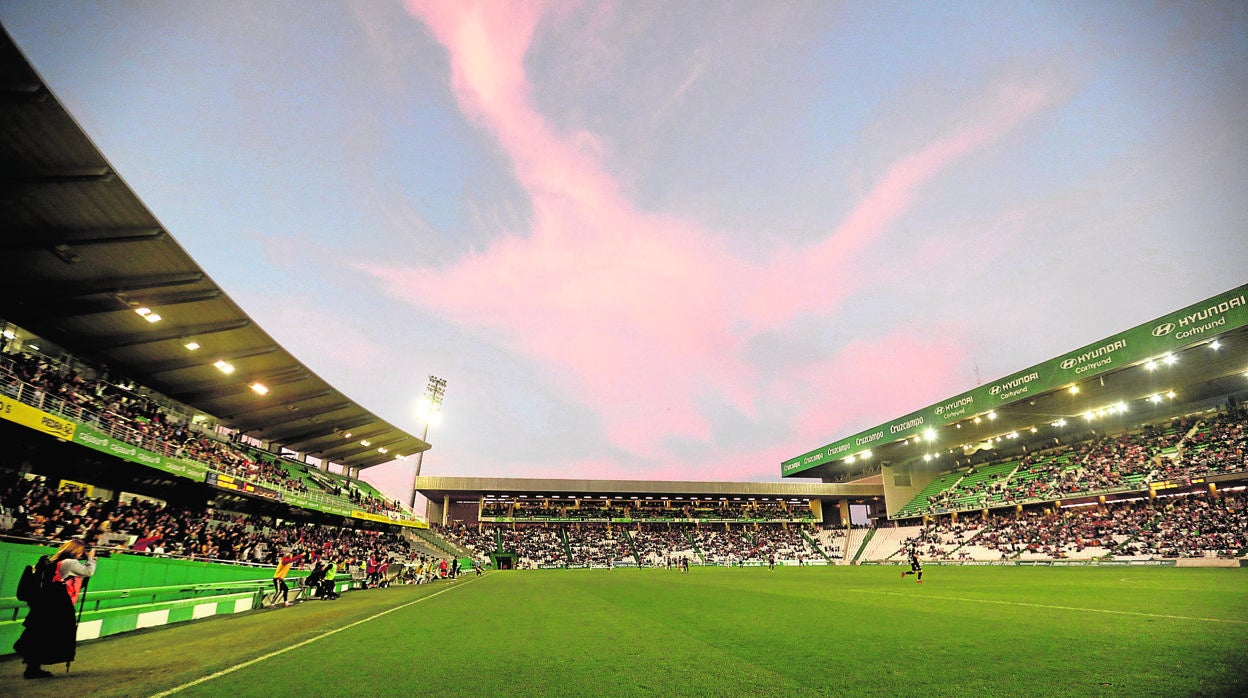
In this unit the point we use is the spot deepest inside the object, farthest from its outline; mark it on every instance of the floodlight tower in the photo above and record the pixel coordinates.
(430, 410)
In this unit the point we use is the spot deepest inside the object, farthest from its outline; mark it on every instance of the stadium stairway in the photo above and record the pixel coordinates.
(858, 546)
(814, 545)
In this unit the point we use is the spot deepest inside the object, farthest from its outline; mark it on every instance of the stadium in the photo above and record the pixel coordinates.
(1083, 523)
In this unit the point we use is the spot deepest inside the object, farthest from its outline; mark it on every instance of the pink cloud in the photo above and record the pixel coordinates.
(887, 201)
(645, 318)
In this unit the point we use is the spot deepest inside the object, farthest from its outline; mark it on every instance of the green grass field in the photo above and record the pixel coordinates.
(848, 631)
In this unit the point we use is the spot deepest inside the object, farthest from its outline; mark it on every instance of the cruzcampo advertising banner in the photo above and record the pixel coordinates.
(1169, 333)
(36, 419)
(91, 438)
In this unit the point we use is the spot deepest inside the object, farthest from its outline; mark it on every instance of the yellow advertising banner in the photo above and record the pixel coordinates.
(38, 420)
(381, 518)
(71, 486)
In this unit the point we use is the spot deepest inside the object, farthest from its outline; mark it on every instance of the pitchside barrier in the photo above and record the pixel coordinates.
(692, 563)
(131, 592)
(1179, 562)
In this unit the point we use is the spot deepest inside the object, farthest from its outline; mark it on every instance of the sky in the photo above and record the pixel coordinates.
(671, 240)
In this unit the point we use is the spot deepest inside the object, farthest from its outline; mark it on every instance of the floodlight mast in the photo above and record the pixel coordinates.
(430, 409)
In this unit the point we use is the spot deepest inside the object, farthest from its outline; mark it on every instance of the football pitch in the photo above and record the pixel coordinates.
(814, 631)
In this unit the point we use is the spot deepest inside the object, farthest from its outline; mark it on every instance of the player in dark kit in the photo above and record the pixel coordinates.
(916, 567)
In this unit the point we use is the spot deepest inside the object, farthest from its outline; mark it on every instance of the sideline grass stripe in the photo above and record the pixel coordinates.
(1050, 606)
(297, 645)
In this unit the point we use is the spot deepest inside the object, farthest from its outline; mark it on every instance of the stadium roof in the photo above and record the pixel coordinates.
(89, 267)
(434, 488)
(1183, 362)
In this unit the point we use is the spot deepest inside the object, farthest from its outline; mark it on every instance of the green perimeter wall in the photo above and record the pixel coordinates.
(128, 571)
(142, 609)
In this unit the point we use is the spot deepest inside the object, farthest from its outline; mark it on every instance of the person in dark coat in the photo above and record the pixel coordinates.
(51, 627)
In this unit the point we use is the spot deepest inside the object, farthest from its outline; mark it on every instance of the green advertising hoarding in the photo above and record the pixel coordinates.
(92, 438)
(1196, 323)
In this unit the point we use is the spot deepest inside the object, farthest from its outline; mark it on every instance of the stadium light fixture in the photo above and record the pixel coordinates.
(148, 314)
(260, 388)
(992, 415)
(191, 345)
(430, 409)
(1151, 365)
(224, 366)
(1215, 345)
(1073, 390)
(1169, 359)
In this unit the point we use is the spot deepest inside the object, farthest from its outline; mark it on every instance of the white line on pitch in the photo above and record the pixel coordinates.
(1060, 608)
(297, 645)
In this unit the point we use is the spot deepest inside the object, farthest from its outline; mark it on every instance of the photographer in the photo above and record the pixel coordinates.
(51, 630)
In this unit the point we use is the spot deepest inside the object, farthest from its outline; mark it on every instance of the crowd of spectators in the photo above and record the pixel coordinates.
(647, 545)
(1177, 451)
(1219, 445)
(137, 418)
(34, 511)
(534, 544)
(1184, 525)
(657, 543)
(647, 510)
(1189, 525)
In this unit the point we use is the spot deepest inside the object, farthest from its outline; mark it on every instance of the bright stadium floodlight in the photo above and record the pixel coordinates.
(430, 410)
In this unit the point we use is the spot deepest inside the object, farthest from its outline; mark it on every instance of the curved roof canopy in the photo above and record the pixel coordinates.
(83, 257)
